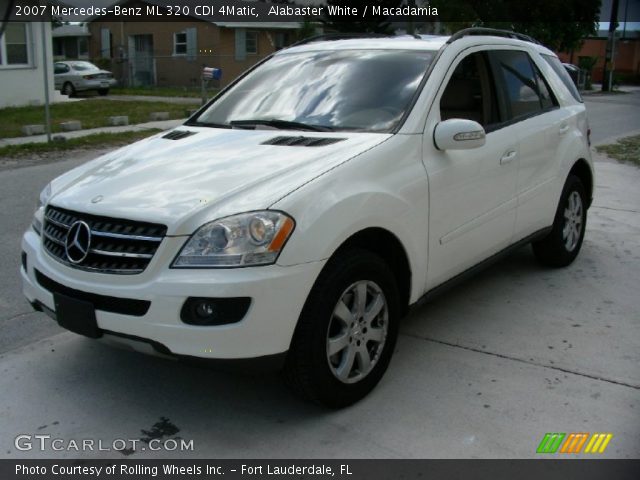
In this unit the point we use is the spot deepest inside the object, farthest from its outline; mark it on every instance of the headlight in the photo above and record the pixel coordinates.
(248, 239)
(45, 195)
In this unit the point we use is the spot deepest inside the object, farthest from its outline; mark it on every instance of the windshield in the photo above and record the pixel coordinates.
(328, 90)
(84, 66)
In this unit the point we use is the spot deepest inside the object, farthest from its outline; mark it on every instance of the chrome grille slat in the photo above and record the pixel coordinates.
(59, 224)
(126, 237)
(54, 240)
(117, 246)
(121, 254)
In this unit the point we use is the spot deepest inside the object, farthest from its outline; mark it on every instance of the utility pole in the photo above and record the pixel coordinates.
(607, 74)
(45, 67)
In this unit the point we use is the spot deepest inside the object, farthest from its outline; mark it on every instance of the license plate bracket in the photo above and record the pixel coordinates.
(76, 315)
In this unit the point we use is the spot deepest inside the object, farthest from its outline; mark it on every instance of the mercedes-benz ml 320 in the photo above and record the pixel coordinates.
(296, 217)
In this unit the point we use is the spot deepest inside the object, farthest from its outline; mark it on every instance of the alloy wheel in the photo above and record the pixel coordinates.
(357, 331)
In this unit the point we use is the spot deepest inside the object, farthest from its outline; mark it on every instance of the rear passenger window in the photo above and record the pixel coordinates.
(520, 84)
(546, 97)
(564, 76)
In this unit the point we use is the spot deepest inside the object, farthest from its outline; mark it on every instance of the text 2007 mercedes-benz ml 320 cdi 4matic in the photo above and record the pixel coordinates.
(296, 217)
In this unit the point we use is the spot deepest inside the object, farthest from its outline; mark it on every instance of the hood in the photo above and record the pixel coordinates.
(208, 174)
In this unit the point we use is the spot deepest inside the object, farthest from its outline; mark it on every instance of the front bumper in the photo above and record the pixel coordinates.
(277, 296)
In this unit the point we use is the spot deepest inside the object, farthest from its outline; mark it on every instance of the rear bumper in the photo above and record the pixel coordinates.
(277, 296)
(97, 84)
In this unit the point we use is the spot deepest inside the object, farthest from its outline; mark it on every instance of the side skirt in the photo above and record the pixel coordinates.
(461, 277)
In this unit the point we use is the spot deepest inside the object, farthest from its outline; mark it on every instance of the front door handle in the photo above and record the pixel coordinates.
(508, 157)
(563, 129)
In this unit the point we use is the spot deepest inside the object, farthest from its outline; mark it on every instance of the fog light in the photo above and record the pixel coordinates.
(214, 311)
(205, 310)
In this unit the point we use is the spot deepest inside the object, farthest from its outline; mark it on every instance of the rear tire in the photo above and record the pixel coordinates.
(68, 89)
(562, 245)
(103, 91)
(347, 331)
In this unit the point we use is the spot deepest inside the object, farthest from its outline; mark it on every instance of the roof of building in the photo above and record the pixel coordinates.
(77, 30)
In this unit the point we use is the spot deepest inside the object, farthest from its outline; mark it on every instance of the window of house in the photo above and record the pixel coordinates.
(14, 45)
(251, 42)
(180, 43)
(282, 40)
(83, 47)
(105, 43)
(58, 47)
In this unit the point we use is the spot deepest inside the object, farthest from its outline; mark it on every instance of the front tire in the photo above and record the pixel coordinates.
(562, 245)
(103, 91)
(347, 331)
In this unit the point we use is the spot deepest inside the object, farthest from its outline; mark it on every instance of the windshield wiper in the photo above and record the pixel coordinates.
(197, 123)
(280, 124)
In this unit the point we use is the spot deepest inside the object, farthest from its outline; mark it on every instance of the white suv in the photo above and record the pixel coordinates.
(299, 214)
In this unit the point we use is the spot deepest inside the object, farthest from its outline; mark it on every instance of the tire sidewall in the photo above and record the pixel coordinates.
(319, 309)
(69, 88)
(573, 184)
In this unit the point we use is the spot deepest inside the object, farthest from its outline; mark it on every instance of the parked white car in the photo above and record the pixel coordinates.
(299, 214)
(75, 76)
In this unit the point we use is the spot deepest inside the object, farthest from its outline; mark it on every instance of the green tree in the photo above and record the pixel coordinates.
(307, 29)
(560, 25)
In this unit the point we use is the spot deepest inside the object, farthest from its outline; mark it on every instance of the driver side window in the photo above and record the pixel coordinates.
(471, 94)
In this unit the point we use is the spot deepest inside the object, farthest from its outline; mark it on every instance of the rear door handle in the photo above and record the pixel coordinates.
(563, 129)
(508, 157)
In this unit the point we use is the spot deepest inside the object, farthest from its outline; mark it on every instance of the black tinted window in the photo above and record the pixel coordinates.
(519, 82)
(564, 76)
(546, 97)
(60, 68)
(470, 92)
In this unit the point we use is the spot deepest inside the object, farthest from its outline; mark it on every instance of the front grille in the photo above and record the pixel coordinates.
(116, 245)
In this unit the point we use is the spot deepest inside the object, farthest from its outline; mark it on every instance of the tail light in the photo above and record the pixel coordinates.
(89, 77)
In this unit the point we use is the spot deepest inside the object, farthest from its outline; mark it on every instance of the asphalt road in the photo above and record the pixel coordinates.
(483, 371)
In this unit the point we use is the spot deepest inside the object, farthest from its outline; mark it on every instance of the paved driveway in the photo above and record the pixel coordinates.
(483, 371)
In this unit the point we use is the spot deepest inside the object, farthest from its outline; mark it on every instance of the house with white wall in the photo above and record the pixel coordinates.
(22, 66)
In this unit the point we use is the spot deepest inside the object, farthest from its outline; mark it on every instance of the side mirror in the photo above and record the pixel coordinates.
(458, 134)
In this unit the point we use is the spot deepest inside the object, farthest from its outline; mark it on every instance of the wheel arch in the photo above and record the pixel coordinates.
(388, 246)
(583, 171)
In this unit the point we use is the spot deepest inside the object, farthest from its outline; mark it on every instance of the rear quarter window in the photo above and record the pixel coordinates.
(557, 67)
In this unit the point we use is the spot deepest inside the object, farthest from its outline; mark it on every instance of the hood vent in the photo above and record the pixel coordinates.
(178, 134)
(302, 141)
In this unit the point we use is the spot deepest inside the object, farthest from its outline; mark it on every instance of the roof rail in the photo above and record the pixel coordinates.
(338, 36)
(494, 32)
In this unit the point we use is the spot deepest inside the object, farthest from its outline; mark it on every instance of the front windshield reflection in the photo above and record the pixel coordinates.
(341, 90)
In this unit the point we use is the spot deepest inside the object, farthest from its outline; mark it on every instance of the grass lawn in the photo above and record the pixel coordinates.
(163, 91)
(96, 140)
(624, 150)
(92, 114)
